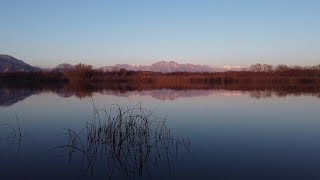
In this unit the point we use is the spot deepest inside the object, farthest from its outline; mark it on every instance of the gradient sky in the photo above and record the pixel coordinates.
(213, 32)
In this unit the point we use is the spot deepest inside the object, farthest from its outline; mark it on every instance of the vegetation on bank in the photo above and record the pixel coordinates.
(257, 73)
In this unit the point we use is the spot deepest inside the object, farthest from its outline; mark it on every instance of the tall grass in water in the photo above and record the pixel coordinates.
(127, 140)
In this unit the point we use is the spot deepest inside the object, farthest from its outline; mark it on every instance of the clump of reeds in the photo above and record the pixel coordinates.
(130, 140)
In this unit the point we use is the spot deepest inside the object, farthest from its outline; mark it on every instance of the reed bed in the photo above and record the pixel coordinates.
(127, 140)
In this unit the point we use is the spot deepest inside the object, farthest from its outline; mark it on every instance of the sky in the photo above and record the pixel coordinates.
(213, 32)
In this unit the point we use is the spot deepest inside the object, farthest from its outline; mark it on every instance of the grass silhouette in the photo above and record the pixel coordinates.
(127, 140)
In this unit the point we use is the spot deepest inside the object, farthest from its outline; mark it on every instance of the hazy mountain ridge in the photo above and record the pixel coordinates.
(171, 66)
(63, 66)
(11, 64)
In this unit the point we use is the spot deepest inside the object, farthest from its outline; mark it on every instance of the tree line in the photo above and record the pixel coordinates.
(257, 73)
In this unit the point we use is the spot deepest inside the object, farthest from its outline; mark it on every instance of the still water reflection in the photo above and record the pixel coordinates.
(222, 133)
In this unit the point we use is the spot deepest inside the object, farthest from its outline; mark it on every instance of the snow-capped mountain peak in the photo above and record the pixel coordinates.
(171, 66)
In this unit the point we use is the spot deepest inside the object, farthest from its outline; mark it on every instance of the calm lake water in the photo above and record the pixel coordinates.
(221, 134)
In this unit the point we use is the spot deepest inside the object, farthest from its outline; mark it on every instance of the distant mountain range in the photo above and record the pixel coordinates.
(171, 66)
(11, 64)
(62, 67)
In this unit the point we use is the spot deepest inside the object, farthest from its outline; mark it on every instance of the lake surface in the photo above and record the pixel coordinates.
(216, 133)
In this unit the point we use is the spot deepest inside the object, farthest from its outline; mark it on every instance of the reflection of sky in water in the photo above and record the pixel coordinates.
(231, 136)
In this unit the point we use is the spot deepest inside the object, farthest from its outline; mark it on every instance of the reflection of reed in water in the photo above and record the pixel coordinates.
(131, 141)
(15, 135)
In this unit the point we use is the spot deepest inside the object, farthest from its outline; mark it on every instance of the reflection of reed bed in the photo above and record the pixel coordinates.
(80, 89)
(266, 90)
(128, 140)
(285, 91)
(13, 92)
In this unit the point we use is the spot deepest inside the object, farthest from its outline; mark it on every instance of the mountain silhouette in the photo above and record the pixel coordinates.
(11, 64)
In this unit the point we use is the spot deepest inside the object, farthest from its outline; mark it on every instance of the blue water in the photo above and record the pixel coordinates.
(232, 135)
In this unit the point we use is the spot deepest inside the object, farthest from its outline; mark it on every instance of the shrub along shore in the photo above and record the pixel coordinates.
(256, 74)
